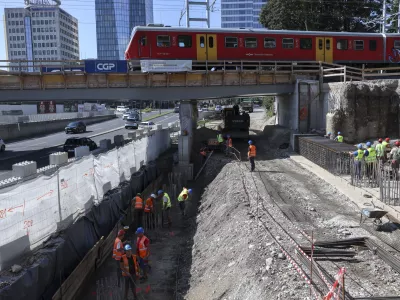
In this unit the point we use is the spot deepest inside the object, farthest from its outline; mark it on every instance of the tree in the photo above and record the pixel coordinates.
(321, 15)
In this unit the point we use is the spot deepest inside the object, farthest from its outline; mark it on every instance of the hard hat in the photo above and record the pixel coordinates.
(128, 247)
(397, 143)
(189, 191)
(250, 142)
(359, 146)
(160, 192)
(153, 196)
(138, 194)
(368, 144)
(380, 140)
(339, 133)
(121, 232)
(387, 139)
(140, 230)
(329, 132)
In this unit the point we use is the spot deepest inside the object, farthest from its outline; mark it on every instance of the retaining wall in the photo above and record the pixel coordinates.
(24, 130)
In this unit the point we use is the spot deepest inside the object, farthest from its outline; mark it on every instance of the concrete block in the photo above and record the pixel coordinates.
(152, 131)
(105, 144)
(48, 170)
(81, 151)
(140, 131)
(24, 169)
(58, 158)
(294, 140)
(132, 135)
(23, 119)
(119, 140)
(159, 126)
(171, 125)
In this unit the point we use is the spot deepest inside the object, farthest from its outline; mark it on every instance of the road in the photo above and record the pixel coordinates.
(39, 149)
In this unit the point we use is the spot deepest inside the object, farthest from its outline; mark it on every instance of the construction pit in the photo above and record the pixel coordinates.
(248, 235)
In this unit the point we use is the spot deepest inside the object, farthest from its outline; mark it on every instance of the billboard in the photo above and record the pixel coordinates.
(166, 65)
(61, 69)
(106, 66)
(46, 107)
(70, 107)
(86, 107)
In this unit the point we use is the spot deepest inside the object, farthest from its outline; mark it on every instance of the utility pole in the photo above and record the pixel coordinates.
(205, 3)
(384, 17)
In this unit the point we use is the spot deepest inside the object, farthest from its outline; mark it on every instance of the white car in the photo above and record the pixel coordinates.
(131, 123)
(147, 125)
(2, 146)
(121, 109)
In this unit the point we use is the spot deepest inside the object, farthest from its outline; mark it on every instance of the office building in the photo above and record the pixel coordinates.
(115, 20)
(40, 32)
(241, 14)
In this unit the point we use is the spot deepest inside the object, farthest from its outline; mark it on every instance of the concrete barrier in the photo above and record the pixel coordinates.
(11, 132)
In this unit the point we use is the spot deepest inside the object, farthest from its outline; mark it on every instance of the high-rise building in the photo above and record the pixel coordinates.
(115, 20)
(40, 31)
(241, 13)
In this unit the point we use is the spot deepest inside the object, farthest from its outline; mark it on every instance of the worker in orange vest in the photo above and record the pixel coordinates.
(142, 251)
(229, 145)
(118, 251)
(130, 271)
(138, 205)
(251, 154)
(149, 212)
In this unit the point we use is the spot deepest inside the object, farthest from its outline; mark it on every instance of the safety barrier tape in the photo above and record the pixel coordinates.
(339, 277)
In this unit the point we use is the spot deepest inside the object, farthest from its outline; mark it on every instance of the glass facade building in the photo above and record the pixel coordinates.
(115, 20)
(241, 13)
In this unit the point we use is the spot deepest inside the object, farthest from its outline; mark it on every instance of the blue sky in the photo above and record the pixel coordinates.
(165, 11)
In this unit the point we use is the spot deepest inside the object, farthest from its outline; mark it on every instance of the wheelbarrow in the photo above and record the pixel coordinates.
(370, 213)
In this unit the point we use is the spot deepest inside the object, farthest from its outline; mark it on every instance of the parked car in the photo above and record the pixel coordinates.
(2, 145)
(132, 122)
(176, 109)
(74, 142)
(121, 109)
(147, 125)
(75, 127)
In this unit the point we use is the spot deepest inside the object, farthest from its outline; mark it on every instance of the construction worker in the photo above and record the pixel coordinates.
(339, 137)
(203, 153)
(138, 204)
(118, 251)
(379, 151)
(166, 206)
(142, 251)
(229, 145)
(220, 139)
(149, 212)
(328, 135)
(251, 154)
(183, 196)
(130, 271)
(370, 160)
(386, 148)
(358, 158)
(395, 157)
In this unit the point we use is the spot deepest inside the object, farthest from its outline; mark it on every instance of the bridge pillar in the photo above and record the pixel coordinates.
(188, 115)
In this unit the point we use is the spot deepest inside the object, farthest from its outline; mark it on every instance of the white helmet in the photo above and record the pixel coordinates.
(153, 196)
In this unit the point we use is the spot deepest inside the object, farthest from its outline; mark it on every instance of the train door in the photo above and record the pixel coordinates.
(324, 49)
(206, 46)
(144, 47)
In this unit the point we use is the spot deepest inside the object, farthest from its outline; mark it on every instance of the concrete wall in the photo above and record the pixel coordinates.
(287, 115)
(28, 109)
(23, 130)
(363, 110)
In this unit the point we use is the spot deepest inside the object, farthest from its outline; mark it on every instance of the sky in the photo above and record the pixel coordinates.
(166, 12)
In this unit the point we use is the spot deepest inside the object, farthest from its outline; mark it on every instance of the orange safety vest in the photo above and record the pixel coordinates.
(116, 254)
(142, 247)
(229, 142)
(126, 265)
(138, 203)
(252, 151)
(149, 205)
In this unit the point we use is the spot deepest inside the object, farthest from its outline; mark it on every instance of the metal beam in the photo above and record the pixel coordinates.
(190, 4)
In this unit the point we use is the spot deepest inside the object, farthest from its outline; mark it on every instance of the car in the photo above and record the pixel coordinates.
(2, 145)
(126, 114)
(218, 109)
(132, 122)
(176, 109)
(146, 125)
(121, 109)
(75, 127)
(74, 142)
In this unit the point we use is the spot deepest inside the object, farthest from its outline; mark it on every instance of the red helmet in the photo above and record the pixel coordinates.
(387, 139)
(121, 232)
(380, 140)
(397, 143)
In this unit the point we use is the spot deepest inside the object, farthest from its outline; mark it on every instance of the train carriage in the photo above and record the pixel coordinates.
(351, 48)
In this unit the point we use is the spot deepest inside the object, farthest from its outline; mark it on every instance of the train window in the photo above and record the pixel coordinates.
(396, 44)
(269, 43)
(231, 42)
(163, 41)
(184, 41)
(306, 43)
(287, 43)
(327, 44)
(358, 45)
(372, 45)
(320, 44)
(202, 42)
(143, 41)
(342, 44)
(250, 42)
(210, 42)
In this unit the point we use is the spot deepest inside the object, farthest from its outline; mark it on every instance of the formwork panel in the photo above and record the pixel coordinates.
(117, 80)
(159, 80)
(193, 79)
(31, 82)
(231, 78)
(215, 79)
(75, 81)
(138, 80)
(249, 78)
(177, 79)
(97, 81)
(286, 78)
(266, 79)
(53, 81)
(9, 82)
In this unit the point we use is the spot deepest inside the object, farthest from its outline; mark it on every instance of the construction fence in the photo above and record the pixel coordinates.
(34, 210)
(335, 157)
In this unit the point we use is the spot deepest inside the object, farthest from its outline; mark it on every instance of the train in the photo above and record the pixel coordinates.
(348, 48)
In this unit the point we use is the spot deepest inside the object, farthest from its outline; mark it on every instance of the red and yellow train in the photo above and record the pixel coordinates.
(169, 43)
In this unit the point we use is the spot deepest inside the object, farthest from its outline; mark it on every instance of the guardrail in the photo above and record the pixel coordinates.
(72, 74)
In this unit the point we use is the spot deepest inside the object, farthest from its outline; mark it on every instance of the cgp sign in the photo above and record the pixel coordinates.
(102, 66)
